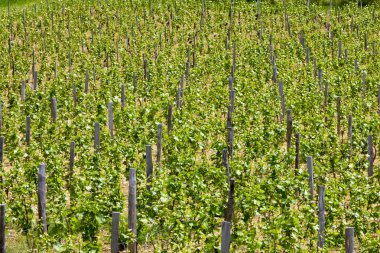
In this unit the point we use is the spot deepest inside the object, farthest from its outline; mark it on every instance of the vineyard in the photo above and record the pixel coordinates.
(189, 126)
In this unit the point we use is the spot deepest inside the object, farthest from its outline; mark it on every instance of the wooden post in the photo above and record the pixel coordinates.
(54, 113)
(182, 83)
(321, 216)
(27, 132)
(231, 201)
(170, 118)
(226, 237)
(274, 76)
(350, 132)
(110, 119)
(356, 66)
(229, 116)
(230, 82)
(326, 94)
(134, 82)
(370, 156)
(132, 215)
(349, 240)
(159, 142)
(297, 161)
(226, 164)
(35, 80)
(320, 78)
(178, 101)
(230, 140)
(289, 124)
(86, 83)
(115, 232)
(233, 58)
(42, 196)
(338, 116)
(97, 136)
(1, 114)
(2, 228)
(232, 98)
(122, 96)
(311, 176)
(149, 166)
(1, 150)
(23, 90)
(55, 70)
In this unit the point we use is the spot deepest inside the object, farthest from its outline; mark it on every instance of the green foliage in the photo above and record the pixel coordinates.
(184, 207)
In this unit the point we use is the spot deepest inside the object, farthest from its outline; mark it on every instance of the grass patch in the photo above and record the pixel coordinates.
(4, 3)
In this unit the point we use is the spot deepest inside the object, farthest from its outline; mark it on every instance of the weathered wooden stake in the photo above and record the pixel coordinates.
(134, 82)
(231, 82)
(338, 116)
(232, 98)
(86, 83)
(349, 236)
(122, 96)
(159, 142)
(231, 201)
(115, 232)
(226, 237)
(1, 150)
(23, 90)
(149, 166)
(178, 101)
(321, 216)
(226, 164)
(42, 196)
(229, 116)
(311, 176)
(132, 212)
(289, 124)
(110, 119)
(320, 78)
(35, 80)
(27, 132)
(230, 140)
(274, 76)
